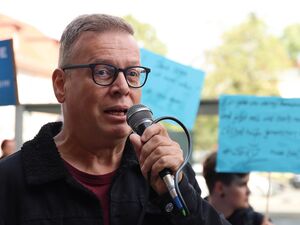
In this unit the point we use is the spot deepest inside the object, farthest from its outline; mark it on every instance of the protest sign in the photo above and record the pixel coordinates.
(258, 134)
(172, 89)
(8, 85)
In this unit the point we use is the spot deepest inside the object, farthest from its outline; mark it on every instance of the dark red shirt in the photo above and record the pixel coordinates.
(98, 184)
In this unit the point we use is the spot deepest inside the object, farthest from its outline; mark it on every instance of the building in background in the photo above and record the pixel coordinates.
(35, 57)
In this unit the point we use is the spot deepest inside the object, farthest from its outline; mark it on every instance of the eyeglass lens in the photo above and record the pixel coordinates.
(106, 74)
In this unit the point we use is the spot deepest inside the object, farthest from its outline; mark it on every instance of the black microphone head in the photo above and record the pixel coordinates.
(139, 117)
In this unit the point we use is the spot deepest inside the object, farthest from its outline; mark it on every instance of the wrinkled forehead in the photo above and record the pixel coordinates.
(107, 43)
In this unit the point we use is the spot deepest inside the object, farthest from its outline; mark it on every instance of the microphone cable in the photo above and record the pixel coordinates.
(185, 211)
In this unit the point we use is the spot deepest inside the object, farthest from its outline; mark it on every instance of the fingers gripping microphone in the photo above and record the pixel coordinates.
(139, 117)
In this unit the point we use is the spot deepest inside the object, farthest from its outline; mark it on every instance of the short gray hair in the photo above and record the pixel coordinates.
(89, 22)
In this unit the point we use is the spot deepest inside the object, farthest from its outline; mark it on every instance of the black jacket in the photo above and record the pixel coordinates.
(37, 189)
(246, 216)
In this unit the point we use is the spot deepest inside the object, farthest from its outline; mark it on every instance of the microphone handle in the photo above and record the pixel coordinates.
(165, 174)
(140, 130)
(168, 179)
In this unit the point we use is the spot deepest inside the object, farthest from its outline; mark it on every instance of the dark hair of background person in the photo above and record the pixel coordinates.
(211, 176)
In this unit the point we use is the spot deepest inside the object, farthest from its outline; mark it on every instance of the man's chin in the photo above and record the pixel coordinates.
(121, 132)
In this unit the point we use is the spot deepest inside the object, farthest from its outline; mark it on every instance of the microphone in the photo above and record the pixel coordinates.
(139, 117)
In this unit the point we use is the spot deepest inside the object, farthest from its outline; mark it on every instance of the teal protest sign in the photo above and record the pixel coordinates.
(172, 89)
(8, 87)
(259, 134)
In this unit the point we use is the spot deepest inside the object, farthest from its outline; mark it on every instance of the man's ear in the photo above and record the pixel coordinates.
(219, 189)
(58, 82)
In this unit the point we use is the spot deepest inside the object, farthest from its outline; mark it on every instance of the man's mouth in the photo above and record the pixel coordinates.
(117, 112)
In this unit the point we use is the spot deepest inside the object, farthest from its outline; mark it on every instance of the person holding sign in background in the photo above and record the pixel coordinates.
(90, 168)
(229, 194)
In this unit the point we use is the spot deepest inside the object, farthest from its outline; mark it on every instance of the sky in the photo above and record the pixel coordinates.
(188, 28)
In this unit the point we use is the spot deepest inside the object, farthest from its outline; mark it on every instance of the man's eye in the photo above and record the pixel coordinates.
(133, 73)
(102, 72)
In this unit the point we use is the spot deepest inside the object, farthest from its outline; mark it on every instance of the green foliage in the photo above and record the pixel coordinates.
(205, 133)
(248, 62)
(291, 40)
(146, 35)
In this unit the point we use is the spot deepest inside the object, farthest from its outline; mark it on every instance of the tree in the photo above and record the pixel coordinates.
(291, 40)
(248, 62)
(146, 35)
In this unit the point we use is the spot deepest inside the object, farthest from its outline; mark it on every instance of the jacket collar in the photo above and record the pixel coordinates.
(40, 157)
(42, 162)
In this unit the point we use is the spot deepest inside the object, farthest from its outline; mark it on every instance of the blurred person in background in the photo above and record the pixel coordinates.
(90, 169)
(8, 147)
(229, 194)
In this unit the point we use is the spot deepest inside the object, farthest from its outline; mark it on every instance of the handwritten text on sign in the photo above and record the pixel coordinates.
(259, 134)
(172, 89)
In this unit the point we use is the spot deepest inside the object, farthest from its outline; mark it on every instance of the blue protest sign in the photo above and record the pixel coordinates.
(172, 89)
(259, 134)
(8, 87)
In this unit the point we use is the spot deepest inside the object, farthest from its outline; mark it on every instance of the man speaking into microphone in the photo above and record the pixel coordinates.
(90, 169)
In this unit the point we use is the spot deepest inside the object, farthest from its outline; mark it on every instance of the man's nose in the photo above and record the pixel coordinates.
(121, 83)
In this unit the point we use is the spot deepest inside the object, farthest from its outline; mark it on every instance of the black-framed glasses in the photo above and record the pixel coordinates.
(105, 74)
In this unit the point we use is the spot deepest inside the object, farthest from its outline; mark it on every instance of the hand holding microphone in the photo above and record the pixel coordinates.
(157, 153)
